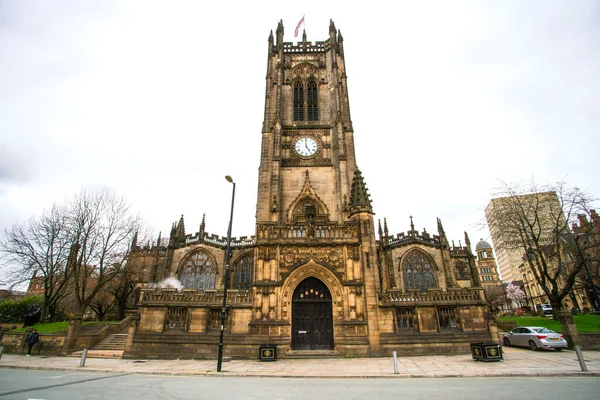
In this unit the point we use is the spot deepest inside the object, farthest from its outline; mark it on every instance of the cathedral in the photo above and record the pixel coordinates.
(319, 275)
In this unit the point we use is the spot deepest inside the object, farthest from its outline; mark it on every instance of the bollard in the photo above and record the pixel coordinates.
(395, 362)
(83, 357)
(1, 351)
(580, 358)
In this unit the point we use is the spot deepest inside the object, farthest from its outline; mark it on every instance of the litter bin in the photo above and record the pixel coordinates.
(486, 351)
(267, 352)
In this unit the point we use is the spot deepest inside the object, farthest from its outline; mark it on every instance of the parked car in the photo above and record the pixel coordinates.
(535, 337)
(545, 309)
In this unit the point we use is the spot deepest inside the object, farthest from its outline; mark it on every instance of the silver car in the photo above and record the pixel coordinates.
(535, 337)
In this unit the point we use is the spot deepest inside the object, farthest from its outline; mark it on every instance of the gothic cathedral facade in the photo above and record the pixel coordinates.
(319, 274)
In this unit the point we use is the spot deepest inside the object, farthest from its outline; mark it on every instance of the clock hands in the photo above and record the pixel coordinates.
(309, 144)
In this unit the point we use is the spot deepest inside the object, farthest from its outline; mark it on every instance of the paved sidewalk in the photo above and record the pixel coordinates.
(517, 362)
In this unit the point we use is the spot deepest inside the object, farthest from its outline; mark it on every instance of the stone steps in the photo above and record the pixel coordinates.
(114, 342)
(112, 346)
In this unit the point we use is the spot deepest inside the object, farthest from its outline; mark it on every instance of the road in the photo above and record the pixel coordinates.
(33, 384)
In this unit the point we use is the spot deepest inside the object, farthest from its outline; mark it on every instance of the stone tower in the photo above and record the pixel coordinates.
(486, 263)
(307, 134)
(314, 224)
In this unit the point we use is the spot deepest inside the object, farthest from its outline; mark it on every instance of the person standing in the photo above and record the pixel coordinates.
(33, 338)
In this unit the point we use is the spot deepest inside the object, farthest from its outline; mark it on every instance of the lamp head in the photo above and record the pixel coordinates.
(229, 178)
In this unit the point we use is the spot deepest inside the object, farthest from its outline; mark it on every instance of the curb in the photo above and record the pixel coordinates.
(245, 375)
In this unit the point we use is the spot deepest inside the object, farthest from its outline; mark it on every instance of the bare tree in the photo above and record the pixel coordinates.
(141, 260)
(495, 297)
(103, 303)
(75, 249)
(535, 221)
(102, 227)
(39, 248)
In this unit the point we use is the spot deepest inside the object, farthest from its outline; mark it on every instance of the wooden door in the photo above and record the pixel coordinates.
(312, 320)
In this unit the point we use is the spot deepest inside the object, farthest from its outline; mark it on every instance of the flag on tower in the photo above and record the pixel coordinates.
(298, 27)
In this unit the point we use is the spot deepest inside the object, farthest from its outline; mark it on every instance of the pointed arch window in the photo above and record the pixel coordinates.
(199, 272)
(306, 100)
(298, 100)
(312, 101)
(418, 271)
(243, 272)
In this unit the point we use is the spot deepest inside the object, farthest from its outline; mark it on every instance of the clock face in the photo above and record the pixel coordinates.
(306, 146)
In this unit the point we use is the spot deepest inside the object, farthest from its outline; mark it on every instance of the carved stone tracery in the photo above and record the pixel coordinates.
(328, 256)
(350, 330)
(308, 197)
(304, 71)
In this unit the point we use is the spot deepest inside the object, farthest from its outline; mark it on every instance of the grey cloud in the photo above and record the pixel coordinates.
(13, 166)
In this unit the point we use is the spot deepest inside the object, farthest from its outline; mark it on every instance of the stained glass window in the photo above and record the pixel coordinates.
(243, 272)
(406, 319)
(199, 272)
(177, 318)
(448, 317)
(313, 100)
(418, 271)
(298, 101)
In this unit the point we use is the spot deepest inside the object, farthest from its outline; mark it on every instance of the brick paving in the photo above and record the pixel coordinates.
(517, 362)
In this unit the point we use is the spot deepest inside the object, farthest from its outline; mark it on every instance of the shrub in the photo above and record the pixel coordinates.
(17, 311)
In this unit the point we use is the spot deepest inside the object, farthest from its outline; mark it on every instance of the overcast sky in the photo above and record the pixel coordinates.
(160, 100)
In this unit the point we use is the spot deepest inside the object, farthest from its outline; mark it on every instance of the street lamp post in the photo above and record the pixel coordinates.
(227, 258)
(595, 302)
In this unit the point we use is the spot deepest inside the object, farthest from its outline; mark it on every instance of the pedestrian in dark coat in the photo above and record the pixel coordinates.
(33, 338)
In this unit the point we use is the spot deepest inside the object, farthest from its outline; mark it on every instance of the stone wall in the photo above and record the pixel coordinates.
(49, 344)
(430, 343)
(590, 340)
(171, 345)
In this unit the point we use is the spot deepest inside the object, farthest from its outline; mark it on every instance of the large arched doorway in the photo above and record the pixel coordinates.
(312, 317)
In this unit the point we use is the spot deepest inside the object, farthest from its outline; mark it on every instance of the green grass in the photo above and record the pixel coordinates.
(55, 327)
(585, 323)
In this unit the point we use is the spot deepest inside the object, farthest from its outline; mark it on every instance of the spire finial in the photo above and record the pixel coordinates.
(359, 195)
(332, 29)
(279, 33)
(181, 228)
(467, 241)
(440, 227)
(202, 226)
(412, 226)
